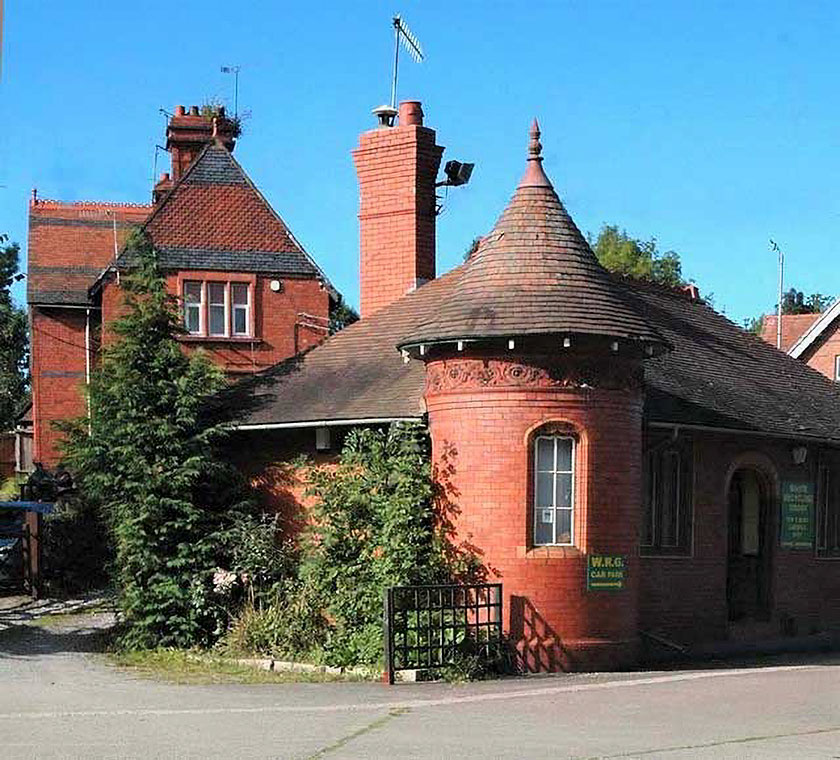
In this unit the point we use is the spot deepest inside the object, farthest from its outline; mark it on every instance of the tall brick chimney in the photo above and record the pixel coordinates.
(397, 167)
(187, 133)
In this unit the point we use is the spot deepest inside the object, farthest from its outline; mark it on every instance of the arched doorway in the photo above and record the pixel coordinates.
(749, 546)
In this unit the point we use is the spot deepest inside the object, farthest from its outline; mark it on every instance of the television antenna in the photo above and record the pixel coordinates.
(776, 249)
(235, 71)
(402, 34)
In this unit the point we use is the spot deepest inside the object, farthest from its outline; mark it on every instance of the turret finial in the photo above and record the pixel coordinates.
(534, 174)
(535, 146)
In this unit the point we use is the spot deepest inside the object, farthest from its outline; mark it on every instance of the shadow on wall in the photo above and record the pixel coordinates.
(462, 555)
(280, 487)
(538, 646)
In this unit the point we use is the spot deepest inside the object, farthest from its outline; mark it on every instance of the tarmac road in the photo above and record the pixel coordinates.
(58, 701)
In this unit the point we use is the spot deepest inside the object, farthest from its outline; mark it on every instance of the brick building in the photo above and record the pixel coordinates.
(251, 295)
(631, 465)
(811, 338)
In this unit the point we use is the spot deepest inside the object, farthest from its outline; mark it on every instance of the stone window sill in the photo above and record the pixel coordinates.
(549, 552)
(218, 339)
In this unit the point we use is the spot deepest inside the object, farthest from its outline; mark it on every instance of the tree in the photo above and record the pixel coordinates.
(342, 315)
(641, 259)
(14, 339)
(795, 302)
(147, 457)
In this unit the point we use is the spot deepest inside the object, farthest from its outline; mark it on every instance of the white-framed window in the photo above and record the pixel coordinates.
(554, 490)
(837, 368)
(193, 307)
(217, 309)
(240, 296)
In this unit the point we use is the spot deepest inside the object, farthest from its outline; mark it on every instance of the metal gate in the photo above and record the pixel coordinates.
(431, 626)
(14, 552)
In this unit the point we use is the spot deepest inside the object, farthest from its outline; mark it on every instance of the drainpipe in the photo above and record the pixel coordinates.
(87, 368)
(87, 347)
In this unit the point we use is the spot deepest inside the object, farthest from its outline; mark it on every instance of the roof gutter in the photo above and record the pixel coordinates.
(322, 423)
(736, 431)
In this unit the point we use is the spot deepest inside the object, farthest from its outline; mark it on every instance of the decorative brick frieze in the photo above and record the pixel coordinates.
(542, 372)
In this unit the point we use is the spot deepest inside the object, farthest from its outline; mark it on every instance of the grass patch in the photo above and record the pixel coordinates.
(188, 667)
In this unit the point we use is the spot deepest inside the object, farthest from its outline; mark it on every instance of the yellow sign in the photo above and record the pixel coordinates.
(606, 572)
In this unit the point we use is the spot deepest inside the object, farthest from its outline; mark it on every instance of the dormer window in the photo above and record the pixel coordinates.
(217, 308)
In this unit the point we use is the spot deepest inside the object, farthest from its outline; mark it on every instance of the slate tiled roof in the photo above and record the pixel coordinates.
(71, 243)
(717, 375)
(215, 218)
(534, 274)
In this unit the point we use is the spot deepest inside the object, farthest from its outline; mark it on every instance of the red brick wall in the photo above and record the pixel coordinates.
(397, 168)
(58, 356)
(482, 435)
(685, 598)
(821, 356)
(58, 375)
(279, 330)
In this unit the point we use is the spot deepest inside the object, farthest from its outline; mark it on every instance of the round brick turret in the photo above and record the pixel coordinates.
(534, 391)
(485, 411)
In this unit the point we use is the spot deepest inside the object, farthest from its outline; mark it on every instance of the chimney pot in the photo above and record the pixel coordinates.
(194, 111)
(411, 113)
(179, 110)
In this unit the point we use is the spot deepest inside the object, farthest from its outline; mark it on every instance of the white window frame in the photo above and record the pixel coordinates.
(246, 308)
(199, 305)
(837, 368)
(225, 304)
(554, 472)
(204, 308)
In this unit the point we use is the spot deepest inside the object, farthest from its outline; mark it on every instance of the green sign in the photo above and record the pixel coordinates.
(606, 572)
(797, 529)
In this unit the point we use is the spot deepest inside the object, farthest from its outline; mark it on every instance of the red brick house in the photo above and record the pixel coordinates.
(630, 464)
(252, 296)
(811, 338)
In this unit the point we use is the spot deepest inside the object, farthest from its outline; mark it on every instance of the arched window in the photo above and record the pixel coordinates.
(554, 490)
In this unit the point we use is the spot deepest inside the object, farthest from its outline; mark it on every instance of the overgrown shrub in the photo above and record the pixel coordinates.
(292, 625)
(147, 457)
(77, 554)
(373, 525)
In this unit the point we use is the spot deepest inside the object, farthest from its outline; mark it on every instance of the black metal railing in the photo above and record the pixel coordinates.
(432, 626)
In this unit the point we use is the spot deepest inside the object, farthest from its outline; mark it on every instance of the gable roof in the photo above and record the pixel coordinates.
(794, 326)
(215, 218)
(816, 330)
(534, 274)
(716, 375)
(70, 244)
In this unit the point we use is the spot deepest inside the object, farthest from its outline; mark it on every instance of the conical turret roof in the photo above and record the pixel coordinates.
(534, 274)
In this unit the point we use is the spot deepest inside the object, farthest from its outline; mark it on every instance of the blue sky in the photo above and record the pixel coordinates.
(711, 126)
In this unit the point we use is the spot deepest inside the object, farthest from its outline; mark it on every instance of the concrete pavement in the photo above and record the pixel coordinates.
(58, 700)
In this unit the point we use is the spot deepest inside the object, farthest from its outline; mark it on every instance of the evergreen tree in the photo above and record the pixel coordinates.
(146, 457)
(14, 339)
